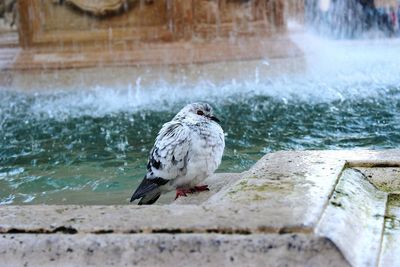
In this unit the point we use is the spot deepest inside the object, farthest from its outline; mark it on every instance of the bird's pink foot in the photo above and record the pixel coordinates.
(182, 192)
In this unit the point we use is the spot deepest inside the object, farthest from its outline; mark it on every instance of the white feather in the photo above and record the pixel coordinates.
(188, 149)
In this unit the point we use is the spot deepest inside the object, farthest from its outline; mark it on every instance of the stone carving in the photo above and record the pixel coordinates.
(99, 7)
(8, 11)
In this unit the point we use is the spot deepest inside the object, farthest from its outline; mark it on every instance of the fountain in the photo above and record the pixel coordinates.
(78, 33)
(89, 43)
(88, 83)
(350, 19)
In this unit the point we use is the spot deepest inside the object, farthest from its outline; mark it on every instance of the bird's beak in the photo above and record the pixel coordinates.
(213, 118)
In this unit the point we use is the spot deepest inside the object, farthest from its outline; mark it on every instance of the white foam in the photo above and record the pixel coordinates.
(337, 70)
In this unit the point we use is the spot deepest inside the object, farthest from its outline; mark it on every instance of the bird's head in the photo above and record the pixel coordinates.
(197, 112)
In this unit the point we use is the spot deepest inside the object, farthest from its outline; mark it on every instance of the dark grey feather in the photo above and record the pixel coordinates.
(150, 198)
(147, 186)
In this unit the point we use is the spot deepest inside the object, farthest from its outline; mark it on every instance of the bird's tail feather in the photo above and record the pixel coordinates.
(145, 187)
(148, 190)
(150, 198)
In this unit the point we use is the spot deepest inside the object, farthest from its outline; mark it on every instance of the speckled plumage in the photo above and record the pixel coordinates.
(187, 150)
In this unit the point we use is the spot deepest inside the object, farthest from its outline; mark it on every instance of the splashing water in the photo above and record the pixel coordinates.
(90, 146)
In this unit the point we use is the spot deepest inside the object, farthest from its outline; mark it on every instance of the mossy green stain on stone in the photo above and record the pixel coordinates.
(392, 221)
(385, 186)
(392, 225)
(258, 197)
(383, 178)
(394, 199)
(267, 186)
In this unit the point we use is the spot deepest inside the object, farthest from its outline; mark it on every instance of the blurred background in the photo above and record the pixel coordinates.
(86, 85)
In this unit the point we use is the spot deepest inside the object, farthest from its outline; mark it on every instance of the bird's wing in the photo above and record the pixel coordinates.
(169, 156)
(167, 161)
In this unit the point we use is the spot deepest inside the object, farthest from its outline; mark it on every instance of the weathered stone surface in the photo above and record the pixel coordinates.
(170, 32)
(310, 208)
(72, 79)
(385, 179)
(391, 235)
(168, 250)
(354, 219)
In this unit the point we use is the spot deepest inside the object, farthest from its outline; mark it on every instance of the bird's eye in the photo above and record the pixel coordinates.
(200, 112)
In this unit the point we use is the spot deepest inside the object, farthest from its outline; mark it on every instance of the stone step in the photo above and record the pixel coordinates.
(308, 208)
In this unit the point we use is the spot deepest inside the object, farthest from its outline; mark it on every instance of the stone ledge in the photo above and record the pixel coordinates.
(168, 250)
(38, 70)
(155, 54)
(329, 200)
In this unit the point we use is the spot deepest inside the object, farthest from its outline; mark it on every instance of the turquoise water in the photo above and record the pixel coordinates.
(90, 146)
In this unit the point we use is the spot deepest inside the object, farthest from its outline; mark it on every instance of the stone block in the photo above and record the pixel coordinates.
(308, 208)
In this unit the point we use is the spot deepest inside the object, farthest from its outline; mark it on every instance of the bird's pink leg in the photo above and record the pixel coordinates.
(182, 192)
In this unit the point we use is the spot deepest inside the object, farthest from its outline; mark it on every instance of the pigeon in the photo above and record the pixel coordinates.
(187, 150)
